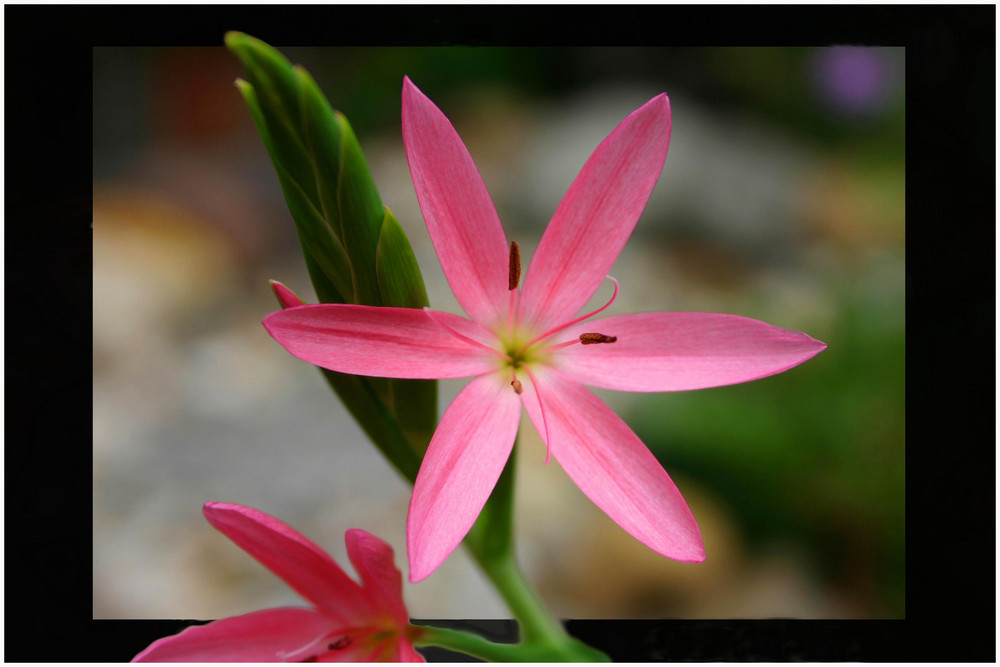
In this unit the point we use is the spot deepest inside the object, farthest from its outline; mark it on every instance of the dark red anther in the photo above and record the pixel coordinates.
(594, 338)
(340, 644)
(516, 384)
(514, 277)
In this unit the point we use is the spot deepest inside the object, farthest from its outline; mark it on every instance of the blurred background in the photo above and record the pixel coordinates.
(782, 199)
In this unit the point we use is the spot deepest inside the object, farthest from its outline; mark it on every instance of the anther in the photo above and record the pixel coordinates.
(516, 384)
(514, 277)
(341, 643)
(594, 338)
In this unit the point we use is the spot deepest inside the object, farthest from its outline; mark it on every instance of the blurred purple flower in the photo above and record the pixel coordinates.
(856, 80)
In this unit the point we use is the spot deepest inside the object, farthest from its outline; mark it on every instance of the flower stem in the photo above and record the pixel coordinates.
(491, 543)
(478, 647)
(532, 616)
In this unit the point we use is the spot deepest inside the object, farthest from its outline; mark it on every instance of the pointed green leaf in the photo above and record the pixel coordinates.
(277, 91)
(321, 135)
(399, 281)
(361, 213)
(339, 218)
(266, 63)
(378, 423)
(325, 291)
(317, 239)
(400, 284)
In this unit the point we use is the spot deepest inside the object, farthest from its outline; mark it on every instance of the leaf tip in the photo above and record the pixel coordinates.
(234, 39)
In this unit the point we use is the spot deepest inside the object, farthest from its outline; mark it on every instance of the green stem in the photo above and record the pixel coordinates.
(467, 643)
(534, 619)
(491, 543)
(570, 650)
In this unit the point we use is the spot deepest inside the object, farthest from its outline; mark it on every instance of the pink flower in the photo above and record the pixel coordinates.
(347, 623)
(526, 347)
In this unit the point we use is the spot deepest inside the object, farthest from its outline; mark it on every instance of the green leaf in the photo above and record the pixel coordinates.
(400, 284)
(316, 238)
(339, 218)
(321, 136)
(365, 405)
(277, 90)
(361, 214)
(399, 281)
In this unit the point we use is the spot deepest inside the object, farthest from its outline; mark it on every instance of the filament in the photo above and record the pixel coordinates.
(541, 408)
(579, 319)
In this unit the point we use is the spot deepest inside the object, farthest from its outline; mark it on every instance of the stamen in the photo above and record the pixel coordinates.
(340, 644)
(514, 277)
(511, 309)
(579, 319)
(541, 408)
(594, 338)
(516, 384)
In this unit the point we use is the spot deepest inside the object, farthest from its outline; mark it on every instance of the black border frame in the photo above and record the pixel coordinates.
(950, 97)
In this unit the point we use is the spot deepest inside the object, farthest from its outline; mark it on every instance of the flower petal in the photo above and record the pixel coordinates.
(613, 468)
(380, 341)
(373, 561)
(680, 351)
(270, 635)
(596, 217)
(406, 653)
(286, 297)
(462, 464)
(461, 219)
(309, 570)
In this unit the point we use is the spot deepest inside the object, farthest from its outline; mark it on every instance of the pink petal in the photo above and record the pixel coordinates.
(596, 217)
(374, 649)
(271, 635)
(379, 341)
(680, 351)
(363, 650)
(462, 464)
(301, 564)
(286, 297)
(406, 653)
(373, 561)
(461, 219)
(613, 468)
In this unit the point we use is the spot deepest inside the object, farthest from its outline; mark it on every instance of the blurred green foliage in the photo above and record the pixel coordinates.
(814, 455)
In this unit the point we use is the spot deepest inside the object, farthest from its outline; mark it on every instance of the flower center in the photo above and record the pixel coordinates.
(522, 348)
